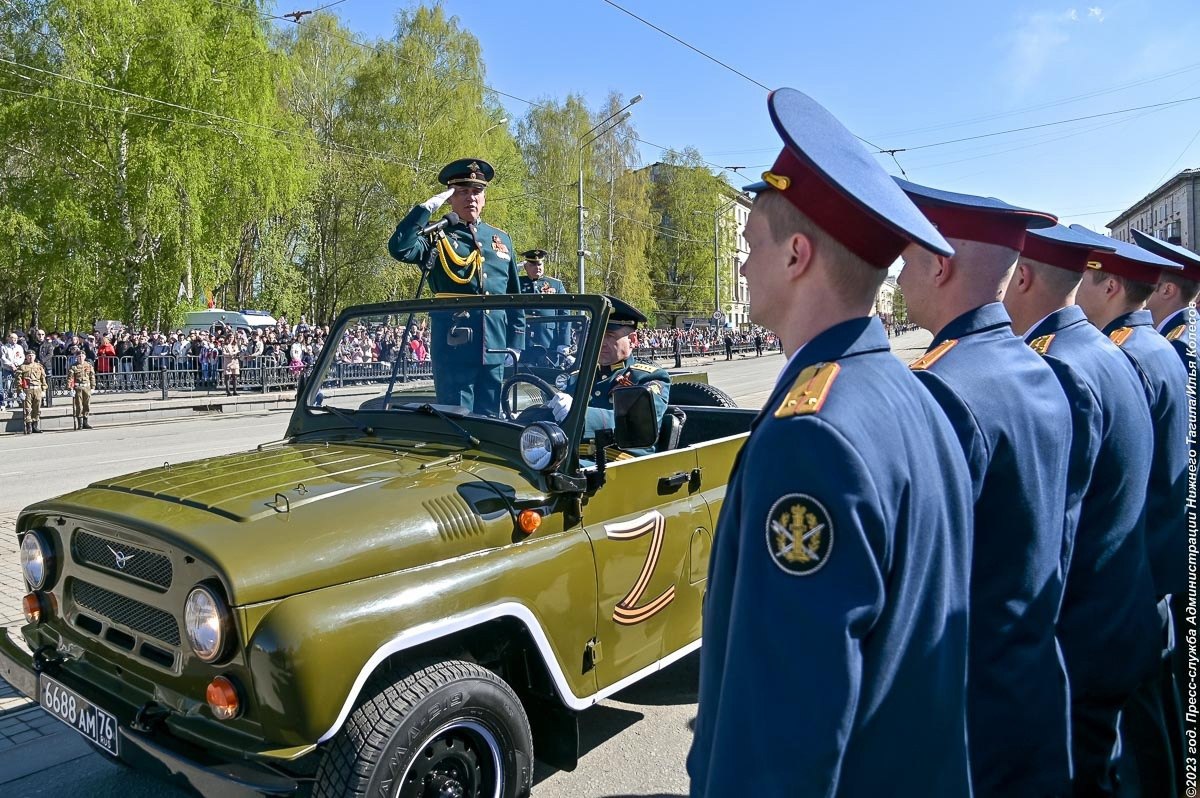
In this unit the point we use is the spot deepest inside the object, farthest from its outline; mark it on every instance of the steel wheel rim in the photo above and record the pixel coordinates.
(448, 756)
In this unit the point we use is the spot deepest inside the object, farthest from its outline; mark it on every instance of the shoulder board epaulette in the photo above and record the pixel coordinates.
(1041, 344)
(809, 391)
(933, 355)
(1175, 334)
(644, 367)
(1120, 335)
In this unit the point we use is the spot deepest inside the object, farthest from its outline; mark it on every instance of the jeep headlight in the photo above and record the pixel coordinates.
(543, 445)
(37, 559)
(207, 620)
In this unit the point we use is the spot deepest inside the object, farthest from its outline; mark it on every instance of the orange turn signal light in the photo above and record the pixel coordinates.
(222, 697)
(32, 605)
(529, 521)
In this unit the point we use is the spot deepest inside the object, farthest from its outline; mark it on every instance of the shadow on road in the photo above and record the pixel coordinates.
(597, 725)
(676, 684)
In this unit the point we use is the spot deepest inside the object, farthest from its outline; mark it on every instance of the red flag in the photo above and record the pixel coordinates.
(211, 303)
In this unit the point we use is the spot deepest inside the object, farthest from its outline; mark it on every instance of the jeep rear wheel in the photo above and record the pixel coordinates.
(447, 729)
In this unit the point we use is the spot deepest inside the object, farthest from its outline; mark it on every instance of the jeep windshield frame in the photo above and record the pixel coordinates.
(395, 393)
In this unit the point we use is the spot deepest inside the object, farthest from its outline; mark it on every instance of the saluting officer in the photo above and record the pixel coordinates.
(617, 367)
(32, 379)
(81, 379)
(547, 335)
(1108, 620)
(472, 259)
(1173, 297)
(1113, 296)
(1014, 423)
(835, 620)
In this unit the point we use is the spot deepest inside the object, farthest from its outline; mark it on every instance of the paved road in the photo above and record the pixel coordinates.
(633, 744)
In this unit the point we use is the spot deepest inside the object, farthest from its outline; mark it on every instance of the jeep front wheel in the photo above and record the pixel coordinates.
(448, 729)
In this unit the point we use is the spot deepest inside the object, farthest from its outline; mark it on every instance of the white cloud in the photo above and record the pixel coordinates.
(1073, 15)
(1039, 38)
(1096, 13)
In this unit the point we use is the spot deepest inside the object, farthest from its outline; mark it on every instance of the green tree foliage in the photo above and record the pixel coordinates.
(158, 152)
(686, 197)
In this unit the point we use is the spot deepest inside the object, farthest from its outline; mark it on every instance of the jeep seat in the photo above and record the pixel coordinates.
(670, 429)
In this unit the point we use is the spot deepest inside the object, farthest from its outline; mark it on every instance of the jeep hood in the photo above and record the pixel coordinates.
(300, 517)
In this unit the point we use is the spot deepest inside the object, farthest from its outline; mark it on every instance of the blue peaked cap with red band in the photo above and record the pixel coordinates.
(827, 173)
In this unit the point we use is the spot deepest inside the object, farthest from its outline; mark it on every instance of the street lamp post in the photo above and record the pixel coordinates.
(585, 142)
(717, 250)
(493, 127)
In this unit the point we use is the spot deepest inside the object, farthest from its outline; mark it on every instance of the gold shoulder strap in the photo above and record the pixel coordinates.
(809, 391)
(933, 355)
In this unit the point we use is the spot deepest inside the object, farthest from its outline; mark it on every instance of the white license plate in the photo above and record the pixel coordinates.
(77, 712)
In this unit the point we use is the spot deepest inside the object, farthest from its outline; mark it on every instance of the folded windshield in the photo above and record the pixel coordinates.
(465, 358)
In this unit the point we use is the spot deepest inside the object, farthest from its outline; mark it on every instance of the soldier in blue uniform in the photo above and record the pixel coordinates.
(835, 620)
(551, 339)
(616, 367)
(1172, 302)
(1171, 306)
(1015, 427)
(1113, 295)
(472, 259)
(1108, 602)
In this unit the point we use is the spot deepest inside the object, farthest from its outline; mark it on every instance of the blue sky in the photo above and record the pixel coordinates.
(900, 75)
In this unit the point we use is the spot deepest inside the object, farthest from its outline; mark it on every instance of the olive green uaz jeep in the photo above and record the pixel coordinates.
(403, 597)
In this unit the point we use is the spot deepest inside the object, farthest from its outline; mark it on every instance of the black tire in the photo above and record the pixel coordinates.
(449, 721)
(699, 394)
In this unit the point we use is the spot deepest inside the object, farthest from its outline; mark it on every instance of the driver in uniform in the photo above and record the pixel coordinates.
(617, 368)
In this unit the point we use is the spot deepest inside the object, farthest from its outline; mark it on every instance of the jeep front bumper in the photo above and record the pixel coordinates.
(157, 752)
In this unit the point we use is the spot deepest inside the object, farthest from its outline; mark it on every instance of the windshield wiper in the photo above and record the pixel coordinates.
(429, 410)
(344, 415)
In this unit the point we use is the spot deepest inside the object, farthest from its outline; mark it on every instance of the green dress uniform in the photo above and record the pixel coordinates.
(468, 347)
(609, 378)
(547, 335)
(82, 379)
(32, 379)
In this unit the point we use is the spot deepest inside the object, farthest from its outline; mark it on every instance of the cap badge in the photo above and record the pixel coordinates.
(777, 182)
(799, 534)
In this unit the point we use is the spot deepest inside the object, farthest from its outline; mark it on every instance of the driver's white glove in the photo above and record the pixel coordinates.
(560, 405)
(563, 349)
(437, 200)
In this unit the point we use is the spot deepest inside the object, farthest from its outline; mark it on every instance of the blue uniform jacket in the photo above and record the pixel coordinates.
(835, 626)
(497, 274)
(1165, 380)
(1181, 330)
(1108, 601)
(1014, 423)
(547, 334)
(608, 378)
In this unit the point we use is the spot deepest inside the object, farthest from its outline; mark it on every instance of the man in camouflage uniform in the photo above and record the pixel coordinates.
(31, 377)
(81, 378)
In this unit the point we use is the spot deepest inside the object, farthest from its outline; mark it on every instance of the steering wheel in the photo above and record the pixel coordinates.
(508, 393)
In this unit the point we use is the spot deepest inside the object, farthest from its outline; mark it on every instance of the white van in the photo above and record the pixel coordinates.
(248, 320)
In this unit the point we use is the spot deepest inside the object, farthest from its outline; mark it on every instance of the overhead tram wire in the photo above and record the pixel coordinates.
(336, 146)
(307, 144)
(712, 58)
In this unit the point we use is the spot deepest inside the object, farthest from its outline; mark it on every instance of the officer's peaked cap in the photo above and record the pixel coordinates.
(623, 312)
(1126, 260)
(1063, 247)
(827, 173)
(467, 172)
(973, 218)
(1189, 260)
(534, 254)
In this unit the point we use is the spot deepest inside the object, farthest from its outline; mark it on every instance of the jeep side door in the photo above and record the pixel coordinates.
(641, 524)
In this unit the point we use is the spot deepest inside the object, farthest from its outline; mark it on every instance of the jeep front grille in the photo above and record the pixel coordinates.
(127, 612)
(123, 559)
